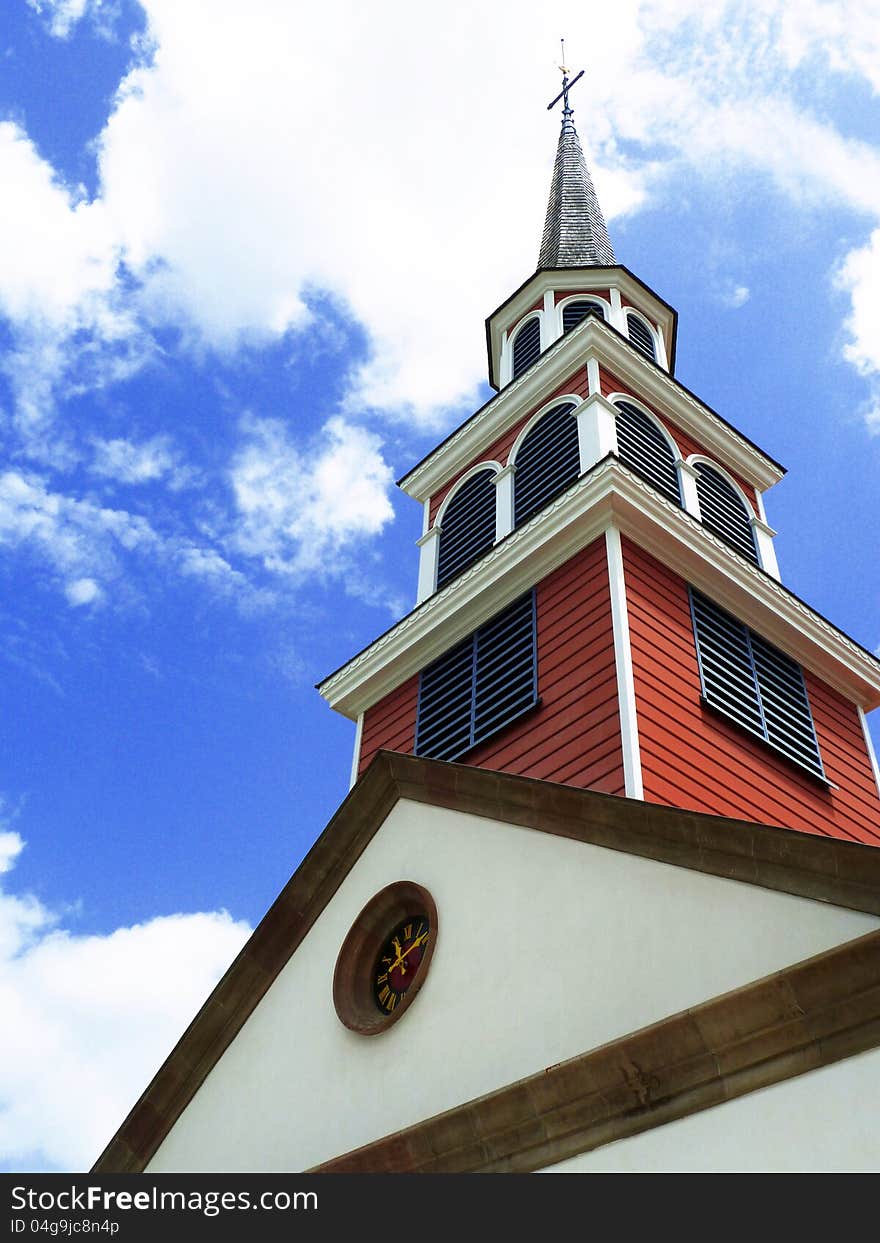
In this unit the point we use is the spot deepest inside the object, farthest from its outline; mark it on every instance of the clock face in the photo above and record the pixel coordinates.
(397, 965)
(385, 958)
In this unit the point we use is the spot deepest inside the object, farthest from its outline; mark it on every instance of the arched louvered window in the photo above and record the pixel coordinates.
(643, 447)
(467, 525)
(574, 312)
(526, 346)
(724, 511)
(480, 685)
(641, 336)
(754, 684)
(547, 461)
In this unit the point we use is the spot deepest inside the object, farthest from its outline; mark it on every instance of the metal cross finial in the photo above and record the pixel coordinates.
(566, 86)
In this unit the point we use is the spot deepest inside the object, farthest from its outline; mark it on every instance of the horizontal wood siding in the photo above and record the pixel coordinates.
(608, 384)
(693, 758)
(499, 451)
(573, 736)
(390, 724)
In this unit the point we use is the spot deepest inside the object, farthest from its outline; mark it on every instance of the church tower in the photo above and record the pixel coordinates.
(599, 600)
(605, 892)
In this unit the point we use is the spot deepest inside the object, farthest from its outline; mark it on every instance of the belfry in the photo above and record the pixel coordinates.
(609, 856)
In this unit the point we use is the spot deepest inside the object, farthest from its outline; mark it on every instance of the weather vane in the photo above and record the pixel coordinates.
(566, 85)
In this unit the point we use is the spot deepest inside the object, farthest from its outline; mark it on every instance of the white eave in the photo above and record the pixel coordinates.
(609, 494)
(592, 338)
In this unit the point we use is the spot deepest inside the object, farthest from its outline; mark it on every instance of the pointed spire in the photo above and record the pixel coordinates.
(575, 233)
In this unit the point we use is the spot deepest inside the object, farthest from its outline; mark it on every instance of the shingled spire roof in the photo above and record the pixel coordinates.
(575, 233)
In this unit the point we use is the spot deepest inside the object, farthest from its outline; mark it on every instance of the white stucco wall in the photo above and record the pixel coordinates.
(824, 1121)
(546, 948)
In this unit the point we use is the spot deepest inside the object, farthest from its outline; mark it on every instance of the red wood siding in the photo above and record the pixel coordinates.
(390, 724)
(692, 758)
(499, 450)
(686, 444)
(574, 735)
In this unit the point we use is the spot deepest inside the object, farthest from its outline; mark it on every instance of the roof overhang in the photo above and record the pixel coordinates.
(593, 338)
(577, 280)
(608, 495)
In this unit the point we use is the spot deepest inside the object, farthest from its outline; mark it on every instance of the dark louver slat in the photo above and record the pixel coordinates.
(640, 336)
(574, 312)
(526, 346)
(468, 526)
(754, 684)
(480, 686)
(723, 511)
(643, 447)
(548, 461)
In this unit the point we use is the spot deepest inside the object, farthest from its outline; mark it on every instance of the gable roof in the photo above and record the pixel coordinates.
(843, 873)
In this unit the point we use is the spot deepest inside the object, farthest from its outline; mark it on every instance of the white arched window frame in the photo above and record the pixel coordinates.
(687, 475)
(580, 297)
(510, 337)
(429, 544)
(659, 351)
(577, 405)
(762, 534)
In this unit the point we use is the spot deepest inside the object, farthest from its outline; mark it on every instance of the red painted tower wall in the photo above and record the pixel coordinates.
(693, 758)
(573, 736)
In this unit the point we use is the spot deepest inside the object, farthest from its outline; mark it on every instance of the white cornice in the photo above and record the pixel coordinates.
(609, 494)
(592, 338)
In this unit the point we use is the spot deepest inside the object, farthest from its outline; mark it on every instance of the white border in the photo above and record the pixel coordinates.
(566, 398)
(626, 690)
(640, 315)
(356, 757)
(490, 464)
(869, 743)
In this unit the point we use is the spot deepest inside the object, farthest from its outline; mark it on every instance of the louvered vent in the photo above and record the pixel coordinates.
(468, 525)
(724, 512)
(480, 686)
(640, 336)
(547, 461)
(574, 312)
(643, 447)
(754, 684)
(526, 346)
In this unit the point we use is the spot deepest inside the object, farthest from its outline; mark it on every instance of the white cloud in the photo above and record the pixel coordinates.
(235, 178)
(736, 296)
(83, 591)
(297, 507)
(89, 1019)
(127, 462)
(859, 276)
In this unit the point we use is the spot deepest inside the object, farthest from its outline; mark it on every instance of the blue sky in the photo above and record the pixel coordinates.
(245, 258)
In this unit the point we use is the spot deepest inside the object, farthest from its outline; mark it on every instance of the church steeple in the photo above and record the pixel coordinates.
(575, 233)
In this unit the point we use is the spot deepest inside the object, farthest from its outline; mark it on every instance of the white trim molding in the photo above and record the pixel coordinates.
(429, 559)
(643, 319)
(626, 690)
(687, 484)
(585, 296)
(869, 743)
(506, 366)
(504, 502)
(564, 399)
(609, 493)
(763, 537)
(356, 756)
(562, 363)
(597, 430)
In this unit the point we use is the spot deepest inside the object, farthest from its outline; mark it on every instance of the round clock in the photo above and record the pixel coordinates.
(385, 958)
